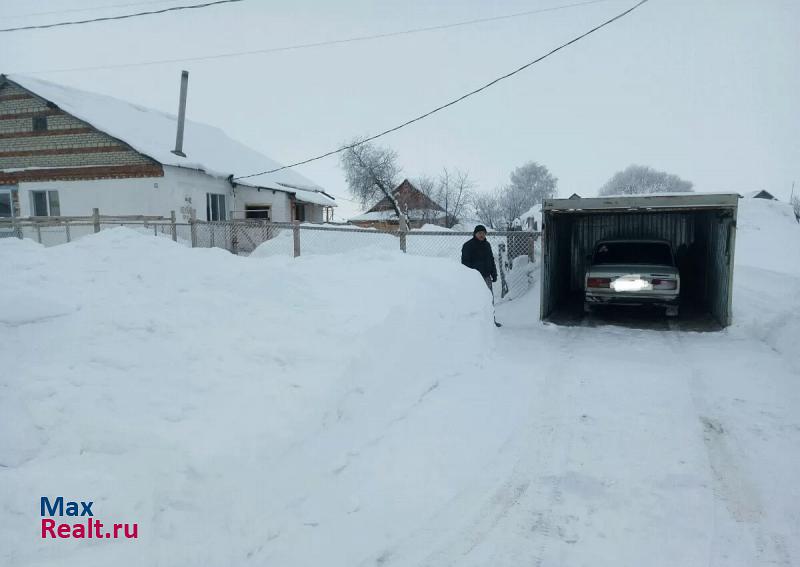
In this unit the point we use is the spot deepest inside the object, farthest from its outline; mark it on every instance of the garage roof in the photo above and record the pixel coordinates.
(645, 202)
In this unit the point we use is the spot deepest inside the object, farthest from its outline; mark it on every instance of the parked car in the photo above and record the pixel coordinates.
(633, 272)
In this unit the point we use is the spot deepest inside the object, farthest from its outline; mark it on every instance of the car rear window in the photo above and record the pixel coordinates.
(633, 253)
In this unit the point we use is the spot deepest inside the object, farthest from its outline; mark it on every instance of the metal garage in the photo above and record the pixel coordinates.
(701, 228)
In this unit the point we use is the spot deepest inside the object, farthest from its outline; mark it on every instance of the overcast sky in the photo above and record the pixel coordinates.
(706, 89)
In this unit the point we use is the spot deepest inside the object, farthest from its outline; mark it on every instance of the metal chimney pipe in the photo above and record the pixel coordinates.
(181, 115)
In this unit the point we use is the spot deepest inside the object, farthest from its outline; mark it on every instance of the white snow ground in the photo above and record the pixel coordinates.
(361, 409)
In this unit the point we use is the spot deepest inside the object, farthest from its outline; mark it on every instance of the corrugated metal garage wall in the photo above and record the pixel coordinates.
(702, 239)
(677, 227)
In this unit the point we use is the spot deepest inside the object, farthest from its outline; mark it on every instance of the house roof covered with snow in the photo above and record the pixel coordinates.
(152, 133)
(761, 194)
(418, 205)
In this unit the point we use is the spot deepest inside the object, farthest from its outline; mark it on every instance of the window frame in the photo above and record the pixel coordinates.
(302, 207)
(258, 208)
(41, 121)
(218, 200)
(52, 202)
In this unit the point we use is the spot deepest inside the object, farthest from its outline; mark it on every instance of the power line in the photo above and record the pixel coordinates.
(87, 9)
(321, 43)
(123, 17)
(454, 101)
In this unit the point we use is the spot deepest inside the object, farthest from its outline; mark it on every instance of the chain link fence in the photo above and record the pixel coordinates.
(514, 251)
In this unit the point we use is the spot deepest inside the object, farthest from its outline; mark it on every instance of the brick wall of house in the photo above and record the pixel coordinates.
(67, 143)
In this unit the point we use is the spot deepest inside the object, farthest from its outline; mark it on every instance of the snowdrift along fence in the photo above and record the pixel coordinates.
(514, 250)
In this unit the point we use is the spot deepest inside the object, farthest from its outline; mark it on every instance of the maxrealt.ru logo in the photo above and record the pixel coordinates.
(88, 527)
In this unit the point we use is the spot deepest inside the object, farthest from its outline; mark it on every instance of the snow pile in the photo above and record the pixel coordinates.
(766, 295)
(316, 242)
(225, 402)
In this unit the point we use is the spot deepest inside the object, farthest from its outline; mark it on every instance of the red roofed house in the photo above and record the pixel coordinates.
(420, 208)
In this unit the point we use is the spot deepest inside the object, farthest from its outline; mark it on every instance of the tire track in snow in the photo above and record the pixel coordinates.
(517, 498)
(732, 485)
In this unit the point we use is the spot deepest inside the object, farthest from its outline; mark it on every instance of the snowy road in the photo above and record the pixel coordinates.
(641, 448)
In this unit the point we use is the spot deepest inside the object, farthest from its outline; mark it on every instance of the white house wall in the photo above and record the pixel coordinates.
(278, 201)
(179, 190)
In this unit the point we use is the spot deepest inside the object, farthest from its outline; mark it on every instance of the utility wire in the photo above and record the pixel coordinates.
(322, 43)
(452, 102)
(87, 9)
(123, 17)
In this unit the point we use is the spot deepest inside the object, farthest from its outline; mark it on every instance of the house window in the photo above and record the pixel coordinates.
(45, 204)
(215, 207)
(257, 212)
(39, 123)
(300, 212)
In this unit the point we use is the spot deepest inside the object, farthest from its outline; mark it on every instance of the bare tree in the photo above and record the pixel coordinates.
(454, 192)
(795, 201)
(488, 209)
(372, 172)
(640, 179)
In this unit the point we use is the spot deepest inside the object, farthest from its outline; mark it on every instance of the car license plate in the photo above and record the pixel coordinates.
(631, 283)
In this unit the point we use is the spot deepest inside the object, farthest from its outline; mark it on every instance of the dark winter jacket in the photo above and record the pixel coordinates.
(477, 254)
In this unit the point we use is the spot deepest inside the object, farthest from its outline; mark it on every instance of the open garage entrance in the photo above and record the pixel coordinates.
(701, 229)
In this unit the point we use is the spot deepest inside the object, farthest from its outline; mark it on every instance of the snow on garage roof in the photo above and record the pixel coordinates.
(152, 132)
(650, 201)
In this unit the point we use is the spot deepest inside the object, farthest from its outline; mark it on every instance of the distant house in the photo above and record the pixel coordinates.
(421, 210)
(760, 195)
(65, 151)
(575, 196)
(529, 220)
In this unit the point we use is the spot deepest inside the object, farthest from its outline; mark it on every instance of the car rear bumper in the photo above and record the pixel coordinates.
(634, 299)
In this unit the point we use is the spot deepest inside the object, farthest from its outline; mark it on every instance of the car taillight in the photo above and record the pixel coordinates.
(664, 284)
(598, 282)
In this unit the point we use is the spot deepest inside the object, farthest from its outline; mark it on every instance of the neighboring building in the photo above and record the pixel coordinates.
(575, 196)
(64, 152)
(421, 210)
(760, 195)
(529, 220)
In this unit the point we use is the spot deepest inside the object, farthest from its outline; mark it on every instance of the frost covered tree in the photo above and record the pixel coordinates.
(530, 184)
(643, 180)
(372, 173)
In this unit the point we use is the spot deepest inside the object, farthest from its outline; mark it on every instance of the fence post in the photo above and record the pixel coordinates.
(234, 240)
(96, 219)
(16, 227)
(66, 227)
(173, 226)
(39, 232)
(532, 247)
(193, 227)
(296, 237)
(403, 231)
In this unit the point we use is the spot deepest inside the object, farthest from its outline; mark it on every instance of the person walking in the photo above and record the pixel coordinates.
(476, 253)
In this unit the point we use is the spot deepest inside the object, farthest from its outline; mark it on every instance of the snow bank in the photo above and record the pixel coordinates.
(766, 297)
(225, 402)
(326, 242)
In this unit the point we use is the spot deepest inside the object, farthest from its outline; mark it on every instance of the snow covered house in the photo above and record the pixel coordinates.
(421, 210)
(65, 151)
